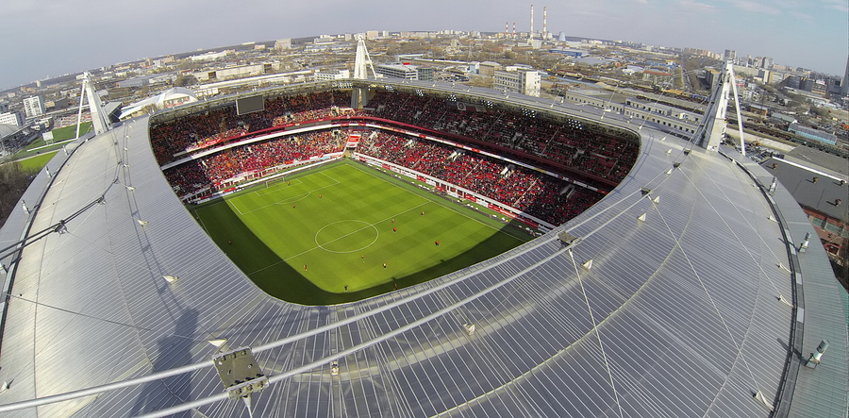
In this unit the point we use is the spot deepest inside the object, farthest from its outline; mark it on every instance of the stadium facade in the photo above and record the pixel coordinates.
(681, 293)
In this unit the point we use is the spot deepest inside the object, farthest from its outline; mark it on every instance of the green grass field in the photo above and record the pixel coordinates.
(35, 164)
(323, 236)
(69, 132)
(59, 135)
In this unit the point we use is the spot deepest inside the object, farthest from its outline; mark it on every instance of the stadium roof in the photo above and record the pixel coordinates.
(157, 101)
(7, 129)
(690, 312)
(811, 188)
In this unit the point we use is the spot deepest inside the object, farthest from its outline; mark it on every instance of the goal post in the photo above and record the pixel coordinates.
(273, 181)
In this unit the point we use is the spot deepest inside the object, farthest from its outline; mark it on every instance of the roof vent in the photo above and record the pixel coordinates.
(642, 218)
(804, 246)
(587, 264)
(816, 358)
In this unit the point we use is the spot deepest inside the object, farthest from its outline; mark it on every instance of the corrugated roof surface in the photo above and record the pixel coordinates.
(823, 194)
(677, 317)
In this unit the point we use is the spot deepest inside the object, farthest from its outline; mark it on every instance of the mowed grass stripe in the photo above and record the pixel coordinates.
(324, 236)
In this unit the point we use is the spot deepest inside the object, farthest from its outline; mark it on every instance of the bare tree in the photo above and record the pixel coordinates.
(13, 183)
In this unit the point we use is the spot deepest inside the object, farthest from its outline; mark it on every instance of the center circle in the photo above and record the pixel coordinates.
(347, 236)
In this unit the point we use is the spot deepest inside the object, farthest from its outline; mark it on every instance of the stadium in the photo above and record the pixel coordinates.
(621, 271)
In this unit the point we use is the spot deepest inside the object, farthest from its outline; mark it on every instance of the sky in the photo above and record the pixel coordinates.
(48, 38)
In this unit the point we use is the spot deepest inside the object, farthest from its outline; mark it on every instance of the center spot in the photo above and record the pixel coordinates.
(346, 236)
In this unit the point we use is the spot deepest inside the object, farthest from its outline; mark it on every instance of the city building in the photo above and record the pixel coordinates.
(240, 71)
(282, 44)
(730, 55)
(575, 53)
(33, 106)
(664, 110)
(812, 134)
(658, 77)
(519, 80)
(11, 118)
(405, 71)
(332, 75)
(488, 68)
(211, 56)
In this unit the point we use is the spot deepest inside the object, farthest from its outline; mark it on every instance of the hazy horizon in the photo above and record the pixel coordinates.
(56, 38)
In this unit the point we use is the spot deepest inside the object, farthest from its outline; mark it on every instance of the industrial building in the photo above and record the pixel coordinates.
(518, 79)
(812, 134)
(405, 71)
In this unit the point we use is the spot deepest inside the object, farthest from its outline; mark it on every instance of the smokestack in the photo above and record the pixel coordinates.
(544, 22)
(531, 33)
(514, 29)
(506, 28)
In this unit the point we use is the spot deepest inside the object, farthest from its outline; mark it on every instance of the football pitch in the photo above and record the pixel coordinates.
(343, 232)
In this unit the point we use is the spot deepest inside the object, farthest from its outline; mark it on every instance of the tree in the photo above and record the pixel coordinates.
(185, 80)
(13, 183)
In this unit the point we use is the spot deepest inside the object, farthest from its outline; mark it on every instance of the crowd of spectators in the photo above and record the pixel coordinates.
(215, 126)
(546, 197)
(573, 145)
(543, 196)
(210, 172)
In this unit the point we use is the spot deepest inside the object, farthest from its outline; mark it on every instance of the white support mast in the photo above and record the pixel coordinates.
(733, 82)
(710, 132)
(363, 61)
(98, 118)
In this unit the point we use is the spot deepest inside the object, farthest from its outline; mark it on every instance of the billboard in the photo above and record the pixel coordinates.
(250, 104)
